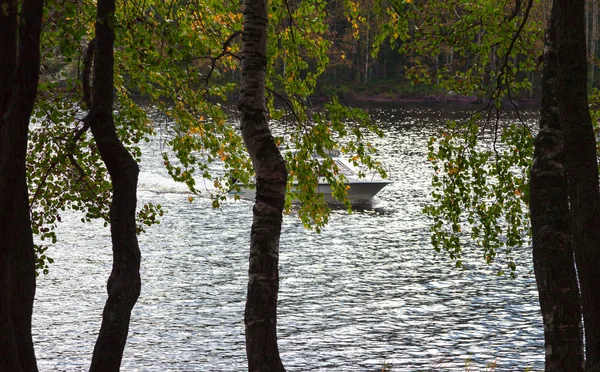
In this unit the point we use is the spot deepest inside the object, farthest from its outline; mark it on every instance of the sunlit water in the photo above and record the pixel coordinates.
(366, 291)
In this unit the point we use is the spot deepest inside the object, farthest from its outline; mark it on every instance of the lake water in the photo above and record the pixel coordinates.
(366, 291)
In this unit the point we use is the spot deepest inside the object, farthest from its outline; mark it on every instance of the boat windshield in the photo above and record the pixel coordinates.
(345, 169)
(330, 153)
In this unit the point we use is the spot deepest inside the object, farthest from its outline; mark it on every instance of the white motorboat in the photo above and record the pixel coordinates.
(362, 187)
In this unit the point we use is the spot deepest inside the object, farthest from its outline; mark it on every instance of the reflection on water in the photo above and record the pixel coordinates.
(367, 290)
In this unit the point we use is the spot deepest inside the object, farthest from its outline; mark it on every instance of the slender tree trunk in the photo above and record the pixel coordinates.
(532, 80)
(260, 315)
(437, 68)
(19, 73)
(587, 27)
(582, 166)
(357, 62)
(593, 41)
(334, 73)
(553, 262)
(367, 50)
(124, 281)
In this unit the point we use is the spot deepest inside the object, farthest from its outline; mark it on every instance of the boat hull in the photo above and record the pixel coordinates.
(359, 191)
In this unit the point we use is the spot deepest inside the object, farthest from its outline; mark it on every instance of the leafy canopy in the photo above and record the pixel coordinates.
(183, 58)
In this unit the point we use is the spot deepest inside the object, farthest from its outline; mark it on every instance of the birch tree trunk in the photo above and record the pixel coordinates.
(124, 281)
(582, 166)
(553, 262)
(19, 74)
(260, 316)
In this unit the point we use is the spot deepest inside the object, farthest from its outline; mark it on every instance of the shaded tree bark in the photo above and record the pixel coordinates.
(19, 74)
(260, 315)
(553, 261)
(124, 281)
(8, 58)
(582, 166)
(594, 41)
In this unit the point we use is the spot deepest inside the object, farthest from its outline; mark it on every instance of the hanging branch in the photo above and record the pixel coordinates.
(213, 60)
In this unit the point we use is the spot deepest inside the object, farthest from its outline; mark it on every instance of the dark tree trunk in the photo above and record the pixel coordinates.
(8, 57)
(582, 166)
(550, 222)
(19, 73)
(124, 281)
(271, 175)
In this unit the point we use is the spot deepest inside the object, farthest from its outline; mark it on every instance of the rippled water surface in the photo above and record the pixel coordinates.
(366, 291)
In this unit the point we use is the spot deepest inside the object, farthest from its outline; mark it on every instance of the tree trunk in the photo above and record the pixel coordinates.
(582, 166)
(260, 316)
(19, 73)
(367, 50)
(593, 41)
(532, 79)
(8, 57)
(587, 28)
(550, 222)
(124, 281)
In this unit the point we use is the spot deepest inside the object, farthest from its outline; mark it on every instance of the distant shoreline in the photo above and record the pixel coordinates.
(440, 98)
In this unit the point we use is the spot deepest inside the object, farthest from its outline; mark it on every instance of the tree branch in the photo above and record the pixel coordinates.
(213, 60)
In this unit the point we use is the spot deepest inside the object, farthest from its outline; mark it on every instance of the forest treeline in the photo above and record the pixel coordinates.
(399, 49)
(413, 60)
